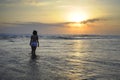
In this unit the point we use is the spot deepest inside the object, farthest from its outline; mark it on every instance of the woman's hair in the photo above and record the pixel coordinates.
(34, 32)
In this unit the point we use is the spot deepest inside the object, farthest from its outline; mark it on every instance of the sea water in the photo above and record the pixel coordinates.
(60, 57)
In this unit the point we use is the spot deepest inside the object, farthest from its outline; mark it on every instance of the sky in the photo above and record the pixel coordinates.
(60, 16)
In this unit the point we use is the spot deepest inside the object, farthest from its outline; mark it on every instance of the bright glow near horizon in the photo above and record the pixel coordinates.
(77, 17)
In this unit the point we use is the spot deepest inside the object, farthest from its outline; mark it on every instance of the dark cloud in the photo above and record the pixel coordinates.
(28, 27)
(25, 2)
(52, 24)
(92, 20)
(9, 1)
(86, 21)
(33, 24)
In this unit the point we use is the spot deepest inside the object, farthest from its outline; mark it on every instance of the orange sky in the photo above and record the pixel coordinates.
(92, 16)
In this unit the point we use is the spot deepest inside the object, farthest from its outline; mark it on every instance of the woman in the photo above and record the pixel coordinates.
(34, 43)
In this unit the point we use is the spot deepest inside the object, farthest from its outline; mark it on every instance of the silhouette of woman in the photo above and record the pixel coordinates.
(34, 43)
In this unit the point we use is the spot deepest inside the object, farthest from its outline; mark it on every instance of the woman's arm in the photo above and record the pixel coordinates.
(38, 41)
(30, 41)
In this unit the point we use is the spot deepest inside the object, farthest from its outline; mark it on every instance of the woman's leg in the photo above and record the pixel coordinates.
(33, 50)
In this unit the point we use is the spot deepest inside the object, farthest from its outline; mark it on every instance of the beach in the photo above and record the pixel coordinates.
(60, 57)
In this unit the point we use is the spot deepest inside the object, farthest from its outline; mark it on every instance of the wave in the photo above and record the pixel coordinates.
(63, 37)
(80, 37)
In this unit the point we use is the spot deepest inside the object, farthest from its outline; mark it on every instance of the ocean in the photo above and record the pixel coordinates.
(60, 57)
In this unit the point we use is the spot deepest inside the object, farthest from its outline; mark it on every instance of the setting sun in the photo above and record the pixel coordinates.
(77, 17)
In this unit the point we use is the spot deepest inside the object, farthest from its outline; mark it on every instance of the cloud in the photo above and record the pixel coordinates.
(83, 22)
(37, 2)
(32, 24)
(63, 24)
(28, 2)
(92, 20)
(9, 1)
(28, 27)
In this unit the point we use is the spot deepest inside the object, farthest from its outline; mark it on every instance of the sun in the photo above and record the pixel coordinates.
(77, 16)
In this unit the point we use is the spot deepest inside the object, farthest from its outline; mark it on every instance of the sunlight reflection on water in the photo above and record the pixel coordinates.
(60, 60)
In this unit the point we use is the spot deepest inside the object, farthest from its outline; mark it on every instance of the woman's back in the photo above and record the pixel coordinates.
(34, 38)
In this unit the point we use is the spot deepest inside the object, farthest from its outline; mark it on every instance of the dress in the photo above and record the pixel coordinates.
(34, 44)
